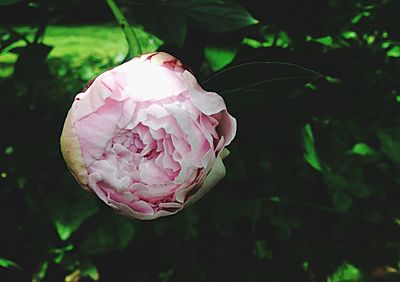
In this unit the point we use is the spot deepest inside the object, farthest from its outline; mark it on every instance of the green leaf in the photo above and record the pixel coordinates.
(275, 199)
(394, 52)
(332, 80)
(166, 22)
(32, 55)
(326, 40)
(9, 2)
(285, 225)
(8, 263)
(220, 17)
(346, 273)
(282, 40)
(88, 269)
(235, 166)
(359, 189)
(261, 250)
(59, 253)
(390, 143)
(9, 150)
(362, 149)
(113, 233)
(250, 83)
(342, 200)
(167, 19)
(166, 276)
(70, 206)
(41, 273)
(335, 181)
(349, 34)
(219, 57)
(305, 265)
(310, 154)
(357, 18)
(252, 42)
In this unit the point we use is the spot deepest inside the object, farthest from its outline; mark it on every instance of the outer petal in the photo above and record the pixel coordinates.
(94, 97)
(96, 129)
(160, 58)
(211, 103)
(149, 81)
(215, 175)
(125, 210)
(228, 127)
(71, 151)
(207, 102)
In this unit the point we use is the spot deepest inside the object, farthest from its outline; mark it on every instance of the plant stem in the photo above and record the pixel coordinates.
(304, 204)
(17, 34)
(134, 48)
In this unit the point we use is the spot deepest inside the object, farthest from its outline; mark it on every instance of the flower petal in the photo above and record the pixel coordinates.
(148, 81)
(214, 176)
(207, 102)
(71, 151)
(97, 129)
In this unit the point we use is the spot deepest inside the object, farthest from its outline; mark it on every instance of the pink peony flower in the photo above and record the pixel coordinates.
(146, 138)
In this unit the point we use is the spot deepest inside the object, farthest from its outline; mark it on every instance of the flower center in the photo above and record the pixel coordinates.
(145, 155)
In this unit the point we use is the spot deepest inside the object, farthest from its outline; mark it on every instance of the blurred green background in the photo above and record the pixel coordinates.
(313, 180)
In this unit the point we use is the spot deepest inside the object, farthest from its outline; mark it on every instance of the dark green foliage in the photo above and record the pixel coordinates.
(69, 206)
(312, 190)
(219, 16)
(169, 19)
(9, 2)
(252, 83)
(112, 233)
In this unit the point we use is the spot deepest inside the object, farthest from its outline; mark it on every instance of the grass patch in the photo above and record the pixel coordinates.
(76, 43)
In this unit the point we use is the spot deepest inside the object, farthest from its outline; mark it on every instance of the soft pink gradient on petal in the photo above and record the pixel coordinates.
(96, 129)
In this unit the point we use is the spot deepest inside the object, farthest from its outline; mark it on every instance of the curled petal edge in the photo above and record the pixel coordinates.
(216, 174)
(127, 211)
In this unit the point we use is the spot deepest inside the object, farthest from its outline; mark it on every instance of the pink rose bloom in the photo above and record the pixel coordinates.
(146, 138)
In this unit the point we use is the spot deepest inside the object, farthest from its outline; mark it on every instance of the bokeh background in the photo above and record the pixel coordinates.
(312, 189)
